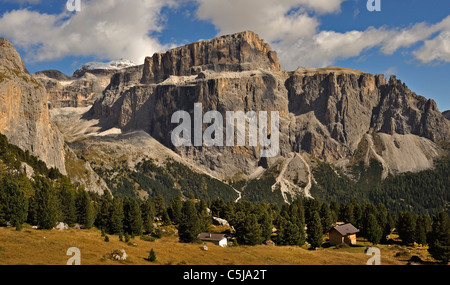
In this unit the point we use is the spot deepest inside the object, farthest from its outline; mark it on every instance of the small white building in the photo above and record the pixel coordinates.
(217, 239)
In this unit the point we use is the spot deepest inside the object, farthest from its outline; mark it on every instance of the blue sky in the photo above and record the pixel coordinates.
(408, 38)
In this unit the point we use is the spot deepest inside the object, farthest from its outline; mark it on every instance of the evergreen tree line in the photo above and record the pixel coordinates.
(304, 220)
(424, 192)
(50, 197)
(307, 220)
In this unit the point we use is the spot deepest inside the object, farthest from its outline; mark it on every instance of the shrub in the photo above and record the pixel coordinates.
(152, 256)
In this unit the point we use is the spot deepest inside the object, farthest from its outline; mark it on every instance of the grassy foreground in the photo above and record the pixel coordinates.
(49, 247)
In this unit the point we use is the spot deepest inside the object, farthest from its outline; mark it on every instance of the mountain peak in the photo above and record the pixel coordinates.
(103, 67)
(234, 53)
(9, 56)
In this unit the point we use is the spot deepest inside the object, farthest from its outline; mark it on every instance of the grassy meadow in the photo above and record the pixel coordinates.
(49, 247)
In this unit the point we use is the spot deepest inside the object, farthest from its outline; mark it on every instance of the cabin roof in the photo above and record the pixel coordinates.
(346, 229)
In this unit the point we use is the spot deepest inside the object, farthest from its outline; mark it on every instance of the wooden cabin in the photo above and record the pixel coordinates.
(217, 239)
(343, 234)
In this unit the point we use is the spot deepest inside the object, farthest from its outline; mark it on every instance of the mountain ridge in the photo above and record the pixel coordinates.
(337, 115)
(323, 112)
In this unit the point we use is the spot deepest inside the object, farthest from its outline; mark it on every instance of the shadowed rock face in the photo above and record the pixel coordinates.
(24, 115)
(446, 114)
(325, 112)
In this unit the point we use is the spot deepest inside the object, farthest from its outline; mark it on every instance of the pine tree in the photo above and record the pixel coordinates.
(205, 218)
(148, 215)
(46, 206)
(314, 231)
(326, 218)
(85, 209)
(420, 233)
(334, 207)
(160, 206)
(266, 225)
(382, 215)
(406, 226)
(13, 203)
(292, 235)
(310, 206)
(218, 208)
(152, 256)
(117, 217)
(357, 213)
(439, 245)
(248, 230)
(32, 217)
(390, 224)
(189, 227)
(373, 231)
(103, 217)
(67, 201)
(174, 209)
(132, 217)
(346, 213)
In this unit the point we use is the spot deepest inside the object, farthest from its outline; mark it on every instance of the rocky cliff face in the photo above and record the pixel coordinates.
(334, 114)
(239, 52)
(24, 115)
(345, 105)
(65, 91)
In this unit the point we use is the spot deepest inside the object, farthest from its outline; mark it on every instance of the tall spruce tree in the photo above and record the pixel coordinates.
(326, 218)
(104, 214)
(85, 209)
(174, 209)
(266, 225)
(116, 217)
(292, 235)
(439, 245)
(67, 201)
(406, 226)
(373, 231)
(13, 203)
(204, 216)
(190, 226)
(160, 206)
(148, 215)
(314, 231)
(132, 217)
(46, 204)
(420, 233)
(346, 213)
(248, 230)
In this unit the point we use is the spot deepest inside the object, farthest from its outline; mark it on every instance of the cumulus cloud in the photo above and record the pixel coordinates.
(292, 27)
(324, 48)
(284, 20)
(112, 29)
(107, 29)
(437, 49)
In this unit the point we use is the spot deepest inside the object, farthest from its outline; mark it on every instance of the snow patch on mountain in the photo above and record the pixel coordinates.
(104, 66)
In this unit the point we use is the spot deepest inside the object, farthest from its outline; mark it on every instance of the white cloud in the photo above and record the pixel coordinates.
(107, 29)
(283, 20)
(324, 48)
(112, 29)
(292, 27)
(436, 49)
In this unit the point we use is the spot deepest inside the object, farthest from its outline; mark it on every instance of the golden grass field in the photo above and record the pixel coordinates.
(49, 247)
